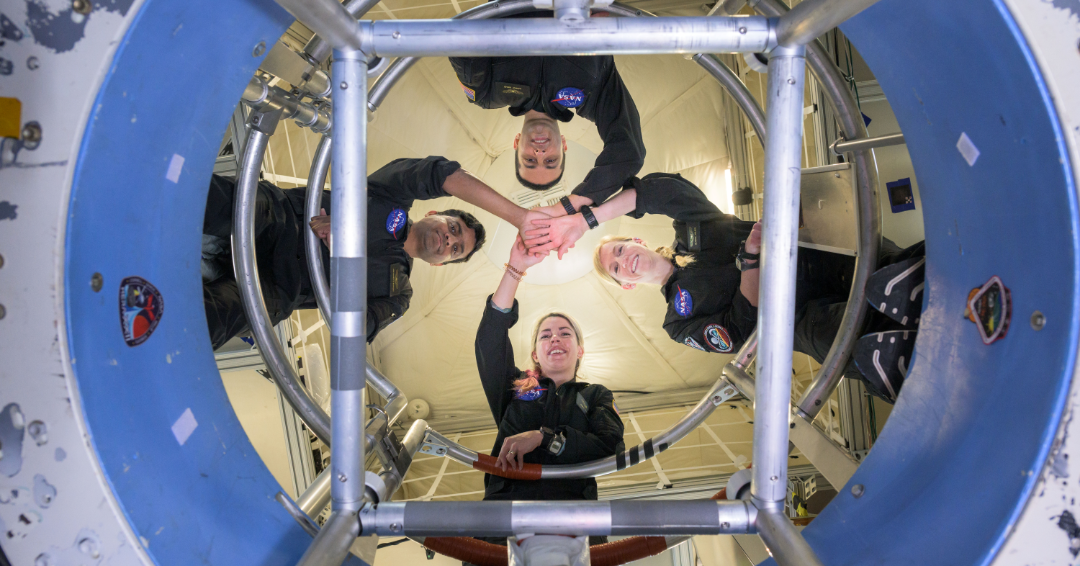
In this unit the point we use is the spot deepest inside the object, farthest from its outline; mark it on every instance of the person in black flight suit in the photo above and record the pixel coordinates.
(544, 90)
(709, 276)
(449, 236)
(544, 415)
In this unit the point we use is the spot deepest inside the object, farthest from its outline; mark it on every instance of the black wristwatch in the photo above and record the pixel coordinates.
(590, 218)
(567, 205)
(552, 442)
(746, 261)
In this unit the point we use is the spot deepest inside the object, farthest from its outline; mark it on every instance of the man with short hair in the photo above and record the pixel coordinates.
(544, 90)
(393, 241)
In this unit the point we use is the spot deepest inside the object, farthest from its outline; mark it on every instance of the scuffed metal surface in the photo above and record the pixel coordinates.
(60, 30)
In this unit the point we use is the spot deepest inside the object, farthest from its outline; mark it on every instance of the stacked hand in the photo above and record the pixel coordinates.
(515, 448)
(521, 258)
(556, 234)
(321, 226)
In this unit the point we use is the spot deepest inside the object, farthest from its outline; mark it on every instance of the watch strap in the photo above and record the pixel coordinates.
(567, 205)
(590, 218)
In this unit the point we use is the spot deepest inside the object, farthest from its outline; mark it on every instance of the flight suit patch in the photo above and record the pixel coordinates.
(511, 94)
(693, 236)
(684, 303)
(717, 338)
(530, 395)
(141, 307)
(693, 344)
(395, 222)
(569, 97)
(397, 279)
(990, 308)
(469, 93)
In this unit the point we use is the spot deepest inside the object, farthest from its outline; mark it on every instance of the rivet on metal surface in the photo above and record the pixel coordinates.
(858, 490)
(31, 135)
(396, 527)
(742, 30)
(1038, 321)
(82, 6)
(397, 34)
(791, 81)
(89, 547)
(32, 63)
(39, 432)
(792, 425)
(725, 525)
(344, 85)
(341, 478)
(96, 281)
(44, 559)
(774, 478)
(260, 48)
(817, 402)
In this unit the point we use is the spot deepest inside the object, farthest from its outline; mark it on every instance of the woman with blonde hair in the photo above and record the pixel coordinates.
(709, 277)
(545, 415)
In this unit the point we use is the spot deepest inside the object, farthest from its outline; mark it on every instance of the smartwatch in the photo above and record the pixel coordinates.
(746, 261)
(567, 205)
(554, 443)
(590, 218)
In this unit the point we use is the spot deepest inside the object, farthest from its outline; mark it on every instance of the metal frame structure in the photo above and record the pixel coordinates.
(356, 504)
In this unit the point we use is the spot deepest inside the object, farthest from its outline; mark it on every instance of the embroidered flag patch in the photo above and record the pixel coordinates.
(530, 395)
(470, 93)
(395, 222)
(684, 303)
(569, 97)
(717, 338)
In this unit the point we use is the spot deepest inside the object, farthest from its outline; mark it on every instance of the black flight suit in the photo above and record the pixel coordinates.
(590, 435)
(534, 83)
(279, 243)
(706, 308)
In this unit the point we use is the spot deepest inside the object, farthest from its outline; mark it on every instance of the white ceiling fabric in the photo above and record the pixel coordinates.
(428, 353)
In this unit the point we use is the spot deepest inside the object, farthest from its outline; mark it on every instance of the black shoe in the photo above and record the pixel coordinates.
(884, 358)
(896, 290)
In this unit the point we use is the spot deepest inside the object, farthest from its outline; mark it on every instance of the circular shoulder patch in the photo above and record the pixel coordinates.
(395, 222)
(141, 308)
(683, 302)
(693, 344)
(530, 395)
(717, 338)
(569, 97)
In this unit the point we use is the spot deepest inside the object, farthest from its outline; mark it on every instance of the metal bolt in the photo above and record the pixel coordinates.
(89, 547)
(82, 6)
(792, 425)
(396, 35)
(39, 432)
(725, 525)
(341, 478)
(817, 402)
(858, 490)
(260, 48)
(1038, 321)
(395, 527)
(773, 478)
(742, 30)
(344, 85)
(96, 281)
(31, 135)
(791, 81)
(32, 63)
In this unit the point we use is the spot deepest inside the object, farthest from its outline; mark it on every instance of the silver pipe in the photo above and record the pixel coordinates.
(256, 90)
(348, 269)
(812, 18)
(410, 445)
(312, 244)
(843, 146)
(317, 50)
(785, 544)
(395, 406)
(739, 378)
(331, 546)
(317, 495)
(869, 216)
(247, 278)
(780, 240)
(548, 36)
(737, 89)
(576, 518)
(721, 392)
(264, 98)
(454, 450)
(745, 356)
(301, 516)
(326, 18)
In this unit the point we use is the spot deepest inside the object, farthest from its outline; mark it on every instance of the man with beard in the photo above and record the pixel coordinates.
(393, 241)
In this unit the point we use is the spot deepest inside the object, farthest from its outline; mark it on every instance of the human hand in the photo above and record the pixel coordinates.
(753, 241)
(554, 211)
(562, 234)
(516, 447)
(321, 226)
(535, 222)
(522, 258)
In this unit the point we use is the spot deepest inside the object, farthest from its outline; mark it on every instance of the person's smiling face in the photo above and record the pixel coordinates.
(540, 149)
(443, 238)
(629, 262)
(557, 348)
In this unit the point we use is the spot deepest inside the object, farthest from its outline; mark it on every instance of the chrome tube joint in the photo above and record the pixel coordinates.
(812, 18)
(331, 545)
(785, 543)
(572, 518)
(264, 98)
(776, 315)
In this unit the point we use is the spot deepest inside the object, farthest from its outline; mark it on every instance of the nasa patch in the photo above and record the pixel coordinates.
(717, 338)
(569, 97)
(693, 344)
(141, 308)
(530, 395)
(684, 303)
(395, 222)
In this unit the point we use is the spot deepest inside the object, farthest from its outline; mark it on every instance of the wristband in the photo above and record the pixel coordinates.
(513, 271)
(590, 218)
(567, 205)
(746, 261)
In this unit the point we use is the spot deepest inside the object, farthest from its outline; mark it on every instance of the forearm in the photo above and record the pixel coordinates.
(748, 286)
(468, 188)
(616, 206)
(504, 295)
